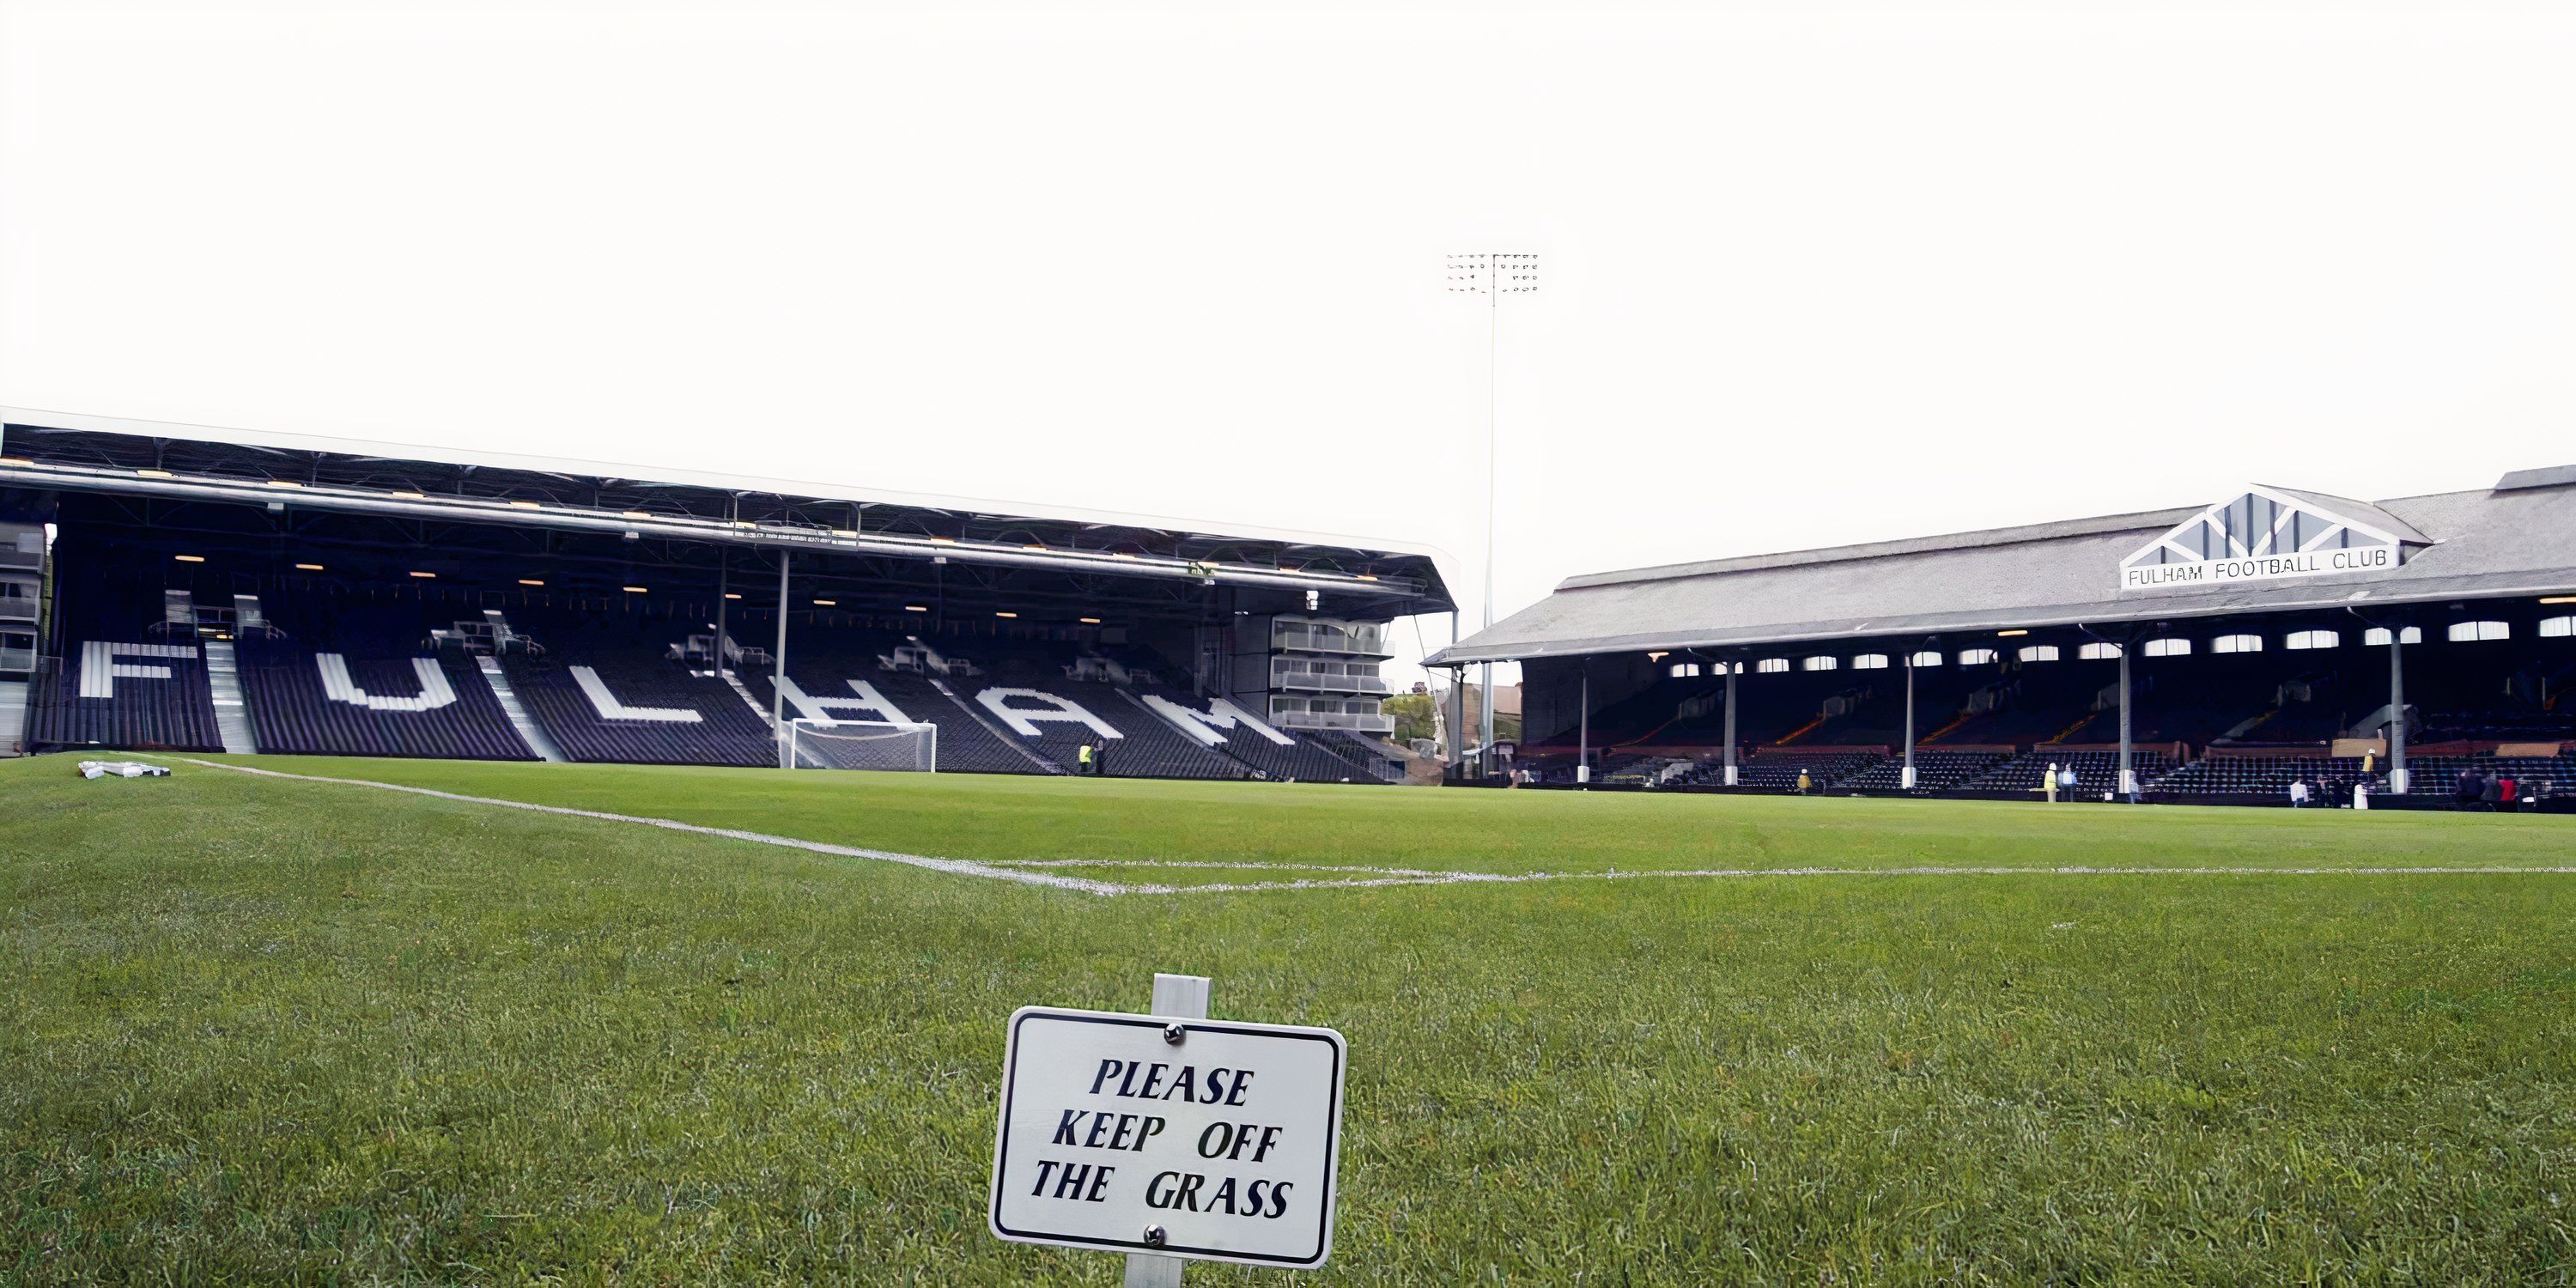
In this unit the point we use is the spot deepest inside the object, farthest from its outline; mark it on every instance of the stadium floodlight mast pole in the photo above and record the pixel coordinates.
(1492, 275)
(1457, 706)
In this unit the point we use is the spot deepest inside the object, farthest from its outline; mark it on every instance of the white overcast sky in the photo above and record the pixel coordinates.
(1814, 273)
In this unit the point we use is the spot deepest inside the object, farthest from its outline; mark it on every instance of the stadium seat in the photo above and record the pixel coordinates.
(330, 704)
(130, 695)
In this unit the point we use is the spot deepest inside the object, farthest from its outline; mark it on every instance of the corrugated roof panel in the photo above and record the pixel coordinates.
(2480, 543)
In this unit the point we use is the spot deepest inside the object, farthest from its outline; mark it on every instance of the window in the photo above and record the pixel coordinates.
(2463, 632)
(2096, 652)
(1819, 663)
(1927, 657)
(1770, 664)
(1685, 670)
(1870, 662)
(1978, 656)
(2237, 644)
(2312, 639)
(2378, 635)
(2557, 627)
(2168, 647)
(2038, 653)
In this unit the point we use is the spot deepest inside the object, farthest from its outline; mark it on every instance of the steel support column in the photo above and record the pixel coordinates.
(2128, 769)
(778, 668)
(1582, 726)
(2397, 776)
(1730, 722)
(1905, 778)
(724, 570)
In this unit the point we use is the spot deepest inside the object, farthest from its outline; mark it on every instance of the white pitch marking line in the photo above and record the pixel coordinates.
(958, 867)
(1013, 869)
(1220, 863)
(1514, 878)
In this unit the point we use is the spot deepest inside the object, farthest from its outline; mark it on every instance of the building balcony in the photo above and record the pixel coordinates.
(1367, 639)
(1325, 677)
(1361, 714)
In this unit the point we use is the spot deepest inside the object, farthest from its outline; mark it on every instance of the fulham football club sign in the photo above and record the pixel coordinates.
(2268, 533)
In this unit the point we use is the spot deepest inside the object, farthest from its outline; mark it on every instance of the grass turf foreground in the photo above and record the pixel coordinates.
(260, 1030)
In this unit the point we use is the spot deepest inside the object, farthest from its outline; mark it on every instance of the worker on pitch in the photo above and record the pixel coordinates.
(1082, 757)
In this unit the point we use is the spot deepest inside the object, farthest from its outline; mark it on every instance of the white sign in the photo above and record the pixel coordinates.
(2220, 572)
(1222, 1146)
(2264, 533)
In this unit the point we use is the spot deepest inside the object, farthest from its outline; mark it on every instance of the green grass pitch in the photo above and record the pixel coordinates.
(259, 1030)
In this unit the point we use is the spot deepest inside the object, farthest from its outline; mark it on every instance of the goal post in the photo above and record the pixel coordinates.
(860, 744)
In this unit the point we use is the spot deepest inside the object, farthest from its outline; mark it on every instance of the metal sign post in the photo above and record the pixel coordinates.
(1177, 997)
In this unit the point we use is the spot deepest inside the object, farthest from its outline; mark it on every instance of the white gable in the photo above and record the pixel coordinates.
(2261, 533)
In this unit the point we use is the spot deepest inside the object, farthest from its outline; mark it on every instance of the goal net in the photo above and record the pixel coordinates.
(860, 744)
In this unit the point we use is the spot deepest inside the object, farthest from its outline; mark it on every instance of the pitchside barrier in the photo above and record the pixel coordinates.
(859, 744)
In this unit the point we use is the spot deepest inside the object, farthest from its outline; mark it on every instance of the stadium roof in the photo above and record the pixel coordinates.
(66, 452)
(2517, 538)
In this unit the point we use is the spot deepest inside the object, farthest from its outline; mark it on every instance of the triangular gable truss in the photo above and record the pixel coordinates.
(2256, 522)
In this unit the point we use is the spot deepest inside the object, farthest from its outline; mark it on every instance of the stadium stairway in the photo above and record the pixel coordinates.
(530, 732)
(232, 713)
(733, 680)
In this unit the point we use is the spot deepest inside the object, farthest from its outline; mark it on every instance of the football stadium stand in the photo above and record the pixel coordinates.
(278, 594)
(335, 704)
(165, 588)
(2214, 653)
(1024, 707)
(2096, 772)
(125, 675)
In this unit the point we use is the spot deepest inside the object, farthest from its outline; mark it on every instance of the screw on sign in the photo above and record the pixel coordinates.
(1169, 1137)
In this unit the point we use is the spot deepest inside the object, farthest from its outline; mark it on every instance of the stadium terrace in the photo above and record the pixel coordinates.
(220, 590)
(2214, 654)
